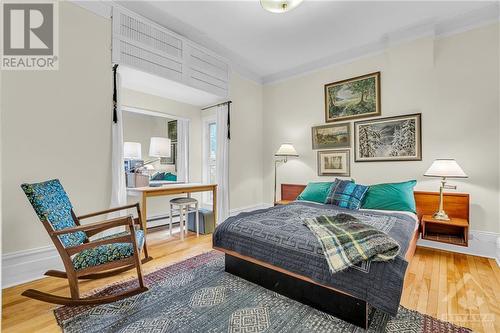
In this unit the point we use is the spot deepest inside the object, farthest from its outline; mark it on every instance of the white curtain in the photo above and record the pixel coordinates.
(222, 162)
(183, 150)
(118, 186)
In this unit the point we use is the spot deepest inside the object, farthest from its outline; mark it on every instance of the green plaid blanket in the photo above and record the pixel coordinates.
(347, 242)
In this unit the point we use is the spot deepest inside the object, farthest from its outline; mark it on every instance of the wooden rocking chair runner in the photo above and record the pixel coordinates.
(84, 258)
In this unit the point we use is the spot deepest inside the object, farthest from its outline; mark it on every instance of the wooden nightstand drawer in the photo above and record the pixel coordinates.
(455, 231)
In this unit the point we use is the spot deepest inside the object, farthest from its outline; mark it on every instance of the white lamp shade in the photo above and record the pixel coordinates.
(286, 149)
(445, 167)
(159, 147)
(132, 150)
(279, 6)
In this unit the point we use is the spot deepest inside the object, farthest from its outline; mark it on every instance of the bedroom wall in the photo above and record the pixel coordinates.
(56, 124)
(453, 81)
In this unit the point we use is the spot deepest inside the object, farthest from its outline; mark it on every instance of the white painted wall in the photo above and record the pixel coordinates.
(452, 81)
(57, 124)
(245, 147)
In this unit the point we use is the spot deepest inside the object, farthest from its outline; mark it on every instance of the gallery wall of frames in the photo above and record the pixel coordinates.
(376, 138)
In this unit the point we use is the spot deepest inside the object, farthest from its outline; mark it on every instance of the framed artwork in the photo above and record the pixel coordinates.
(388, 139)
(334, 163)
(331, 136)
(172, 130)
(358, 97)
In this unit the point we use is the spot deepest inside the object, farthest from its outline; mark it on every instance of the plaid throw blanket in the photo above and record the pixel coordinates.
(347, 242)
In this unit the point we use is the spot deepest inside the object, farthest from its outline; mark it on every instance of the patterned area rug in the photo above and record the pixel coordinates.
(196, 295)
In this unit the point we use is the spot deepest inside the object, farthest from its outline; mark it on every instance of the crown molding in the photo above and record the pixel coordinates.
(488, 14)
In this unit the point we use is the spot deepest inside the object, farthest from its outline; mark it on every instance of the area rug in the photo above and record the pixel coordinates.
(196, 295)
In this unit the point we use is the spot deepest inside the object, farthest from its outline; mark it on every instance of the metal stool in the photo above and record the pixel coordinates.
(184, 207)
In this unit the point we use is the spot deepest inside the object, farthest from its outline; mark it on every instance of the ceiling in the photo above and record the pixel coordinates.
(268, 46)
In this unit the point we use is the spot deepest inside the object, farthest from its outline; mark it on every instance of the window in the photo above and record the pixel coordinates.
(209, 156)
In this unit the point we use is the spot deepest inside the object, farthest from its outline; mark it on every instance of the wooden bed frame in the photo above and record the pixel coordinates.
(322, 297)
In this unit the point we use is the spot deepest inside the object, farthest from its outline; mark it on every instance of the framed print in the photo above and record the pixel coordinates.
(172, 130)
(331, 136)
(334, 163)
(358, 97)
(388, 139)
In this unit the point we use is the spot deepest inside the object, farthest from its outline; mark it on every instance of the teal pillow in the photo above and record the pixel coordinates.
(316, 192)
(391, 196)
(170, 177)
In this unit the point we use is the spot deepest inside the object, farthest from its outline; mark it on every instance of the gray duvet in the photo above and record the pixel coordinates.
(278, 236)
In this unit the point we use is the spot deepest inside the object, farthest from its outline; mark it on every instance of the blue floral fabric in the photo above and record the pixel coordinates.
(346, 194)
(51, 203)
(107, 253)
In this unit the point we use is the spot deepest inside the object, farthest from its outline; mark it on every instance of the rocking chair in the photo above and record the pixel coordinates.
(84, 258)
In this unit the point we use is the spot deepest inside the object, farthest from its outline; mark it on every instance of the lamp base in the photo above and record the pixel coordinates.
(441, 215)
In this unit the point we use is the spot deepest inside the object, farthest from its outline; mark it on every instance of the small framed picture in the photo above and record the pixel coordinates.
(331, 136)
(334, 163)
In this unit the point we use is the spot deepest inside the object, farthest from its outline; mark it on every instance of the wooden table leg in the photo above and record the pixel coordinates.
(144, 214)
(214, 203)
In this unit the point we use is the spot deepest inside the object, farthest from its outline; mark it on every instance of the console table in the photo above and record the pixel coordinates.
(169, 189)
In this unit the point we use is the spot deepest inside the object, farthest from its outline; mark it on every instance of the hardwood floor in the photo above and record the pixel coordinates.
(459, 288)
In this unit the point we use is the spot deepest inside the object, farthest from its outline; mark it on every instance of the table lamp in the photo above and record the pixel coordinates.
(132, 151)
(160, 147)
(285, 150)
(444, 168)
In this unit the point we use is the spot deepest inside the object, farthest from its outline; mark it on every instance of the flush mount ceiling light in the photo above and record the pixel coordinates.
(279, 6)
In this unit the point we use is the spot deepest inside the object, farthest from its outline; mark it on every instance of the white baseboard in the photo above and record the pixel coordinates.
(481, 243)
(28, 265)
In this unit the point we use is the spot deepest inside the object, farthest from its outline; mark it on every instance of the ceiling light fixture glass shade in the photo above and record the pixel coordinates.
(279, 6)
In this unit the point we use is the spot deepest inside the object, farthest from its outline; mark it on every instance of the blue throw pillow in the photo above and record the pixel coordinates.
(346, 194)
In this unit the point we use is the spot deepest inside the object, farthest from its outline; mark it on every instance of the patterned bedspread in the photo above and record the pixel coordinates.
(278, 236)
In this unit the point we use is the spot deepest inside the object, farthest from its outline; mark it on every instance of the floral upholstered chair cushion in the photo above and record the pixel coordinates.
(107, 253)
(51, 203)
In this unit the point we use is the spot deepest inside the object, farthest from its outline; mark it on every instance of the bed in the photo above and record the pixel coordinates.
(272, 247)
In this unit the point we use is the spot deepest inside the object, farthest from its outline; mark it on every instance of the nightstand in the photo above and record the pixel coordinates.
(455, 231)
(282, 202)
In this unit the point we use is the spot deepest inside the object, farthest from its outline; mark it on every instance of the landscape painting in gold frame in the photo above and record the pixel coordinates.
(358, 97)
